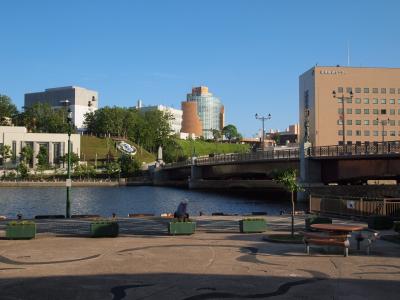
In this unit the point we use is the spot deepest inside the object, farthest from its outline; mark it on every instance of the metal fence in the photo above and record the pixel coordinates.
(381, 148)
(355, 206)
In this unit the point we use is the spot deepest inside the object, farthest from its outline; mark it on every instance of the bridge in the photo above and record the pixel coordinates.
(325, 164)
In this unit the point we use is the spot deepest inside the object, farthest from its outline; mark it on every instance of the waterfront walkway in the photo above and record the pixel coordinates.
(215, 263)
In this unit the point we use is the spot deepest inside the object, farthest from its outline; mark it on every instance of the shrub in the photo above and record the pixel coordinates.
(380, 222)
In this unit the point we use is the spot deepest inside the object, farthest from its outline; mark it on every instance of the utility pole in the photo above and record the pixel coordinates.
(342, 98)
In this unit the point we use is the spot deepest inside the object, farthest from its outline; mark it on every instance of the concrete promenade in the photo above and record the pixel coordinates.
(215, 263)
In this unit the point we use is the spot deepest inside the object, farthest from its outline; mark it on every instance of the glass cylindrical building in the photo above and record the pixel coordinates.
(209, 109)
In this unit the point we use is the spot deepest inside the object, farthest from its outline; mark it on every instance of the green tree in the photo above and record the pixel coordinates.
(230, 132)
(26, 155)
(7, 109)
(22, 170)
(74, 159)
(216, 134)
(5, 153)
(288, 178)
(112, 169)
(41, 117)
(43, 158)
(129, 165)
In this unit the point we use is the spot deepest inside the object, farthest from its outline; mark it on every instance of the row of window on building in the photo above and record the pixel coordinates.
(365, 90)
(366, 101)
(368, 111)
(370, 122)
(369, 132)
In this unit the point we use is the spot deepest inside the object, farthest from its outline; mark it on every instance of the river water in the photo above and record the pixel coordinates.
(124, 200)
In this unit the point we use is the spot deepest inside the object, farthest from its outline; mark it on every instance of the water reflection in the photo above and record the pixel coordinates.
(123, 200)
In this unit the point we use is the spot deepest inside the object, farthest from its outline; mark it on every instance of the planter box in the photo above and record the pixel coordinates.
(316, 220)
(179, 228)
(21, 230)
(252, 225)
(104, 229)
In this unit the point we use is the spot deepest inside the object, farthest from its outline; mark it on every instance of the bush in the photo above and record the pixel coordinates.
(380, 222)
(316, 220)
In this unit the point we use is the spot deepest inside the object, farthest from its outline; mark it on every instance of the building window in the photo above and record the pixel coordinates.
(366, 111)
(350, 122)
(366, 100)
(392, 111)
(358, 122)
(391, 101)
(383, 111)
(340, 122)
(398, 101)
(375, 122)
(398, 92)
(340, 132)
(349, 111)
(358, 111)
(349, 133)
(375, 90)
(339, 100)
(340, 111)
(375, 101)
(366, 122)
(366, 132)
(349, 90)
(366, 90)
(375, 111)
(392, 91)
(383, 101)
(340, 89)
(357, 100)
(393, 133)
(358, 132)
(383, 90)
(358, 90)
(376, 132)
(384, 133)
(392, 122)
(349, 100)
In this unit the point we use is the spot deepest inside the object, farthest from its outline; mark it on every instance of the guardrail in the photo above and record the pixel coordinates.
(370, 149)
(381, 148)
(355, 206)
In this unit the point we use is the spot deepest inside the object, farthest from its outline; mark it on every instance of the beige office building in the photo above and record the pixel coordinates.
(366, 107)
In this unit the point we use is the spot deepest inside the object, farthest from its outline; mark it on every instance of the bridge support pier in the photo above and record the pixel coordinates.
(310, 172)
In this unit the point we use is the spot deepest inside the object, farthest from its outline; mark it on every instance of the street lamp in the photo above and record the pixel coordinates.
(263, 119)
(383, 123)
(66, 103)
(342, 98)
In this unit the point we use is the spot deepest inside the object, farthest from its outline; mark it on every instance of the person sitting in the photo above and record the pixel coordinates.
(181, 212)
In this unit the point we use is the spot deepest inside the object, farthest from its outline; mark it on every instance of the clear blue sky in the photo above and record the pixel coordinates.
(249, 53)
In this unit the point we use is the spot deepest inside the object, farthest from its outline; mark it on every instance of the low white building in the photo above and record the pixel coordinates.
(56, 144)
(175, 122)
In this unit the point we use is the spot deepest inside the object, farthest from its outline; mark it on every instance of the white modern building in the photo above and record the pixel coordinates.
(175, 122)
(56, 144)
(80, 100)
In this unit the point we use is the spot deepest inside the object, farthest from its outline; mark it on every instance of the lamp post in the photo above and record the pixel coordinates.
(383, 123)
(66, 103)
(342, 98)
(263, 119)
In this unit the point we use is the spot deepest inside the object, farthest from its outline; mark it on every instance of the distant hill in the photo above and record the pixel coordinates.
(90, 145)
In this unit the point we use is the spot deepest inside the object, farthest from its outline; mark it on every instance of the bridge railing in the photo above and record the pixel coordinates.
(355, 206)
(381, 148)
(238, 157)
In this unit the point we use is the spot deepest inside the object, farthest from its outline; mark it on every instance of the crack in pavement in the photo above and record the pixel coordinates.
(9, 261)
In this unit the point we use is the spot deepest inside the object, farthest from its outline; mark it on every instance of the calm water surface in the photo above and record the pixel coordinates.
(123, 200)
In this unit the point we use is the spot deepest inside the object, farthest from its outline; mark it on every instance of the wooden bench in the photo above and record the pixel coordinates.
(339, 240)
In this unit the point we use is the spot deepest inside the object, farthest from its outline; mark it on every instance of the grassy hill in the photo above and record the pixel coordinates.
(90, 145)
(205, 148)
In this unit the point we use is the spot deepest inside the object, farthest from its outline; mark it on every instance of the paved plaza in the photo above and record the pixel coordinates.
(215, 263)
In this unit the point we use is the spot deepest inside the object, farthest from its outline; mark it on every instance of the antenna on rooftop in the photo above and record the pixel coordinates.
(348, 53)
